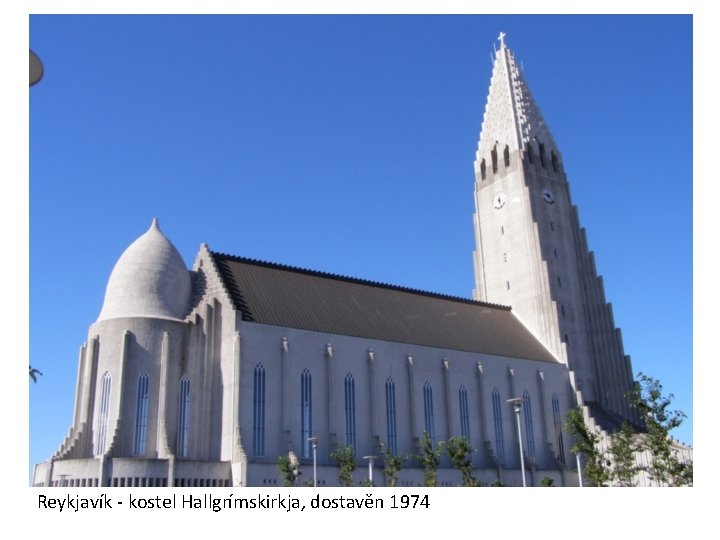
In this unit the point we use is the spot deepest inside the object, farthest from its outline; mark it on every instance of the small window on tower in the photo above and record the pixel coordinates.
(554, 159)
(559, 281)
(483, 169)
(507, 285)
(494, 157)
(542, 155)
(504, 257)
(506, 155)
(530, 154)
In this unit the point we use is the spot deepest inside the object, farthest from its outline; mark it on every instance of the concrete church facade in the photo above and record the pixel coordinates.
(205, 377)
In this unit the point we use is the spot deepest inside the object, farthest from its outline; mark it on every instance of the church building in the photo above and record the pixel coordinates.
(205, 377)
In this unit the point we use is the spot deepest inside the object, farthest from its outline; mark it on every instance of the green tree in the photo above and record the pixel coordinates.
(345, 456)
(429, 459)
(289, 469)
(665, 466)
(596, 468)
(391, 465)
(623, 451)
(459, 451)
(547, 482)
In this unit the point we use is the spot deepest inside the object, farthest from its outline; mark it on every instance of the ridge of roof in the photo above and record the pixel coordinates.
(358, 281)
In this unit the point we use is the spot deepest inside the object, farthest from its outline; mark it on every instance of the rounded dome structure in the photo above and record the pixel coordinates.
(149, 280)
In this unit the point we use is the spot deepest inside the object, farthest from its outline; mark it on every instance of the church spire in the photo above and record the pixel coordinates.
(512, 120)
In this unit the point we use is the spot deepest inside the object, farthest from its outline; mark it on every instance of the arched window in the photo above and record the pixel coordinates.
(183, 439)
(497, 418)
(529, 435)
(105, 387)
(350, 434)
(429, 414)
(141, 416)
(557, 423)
(306, 412)
(464, 413)
(391, 415)
(259, 410)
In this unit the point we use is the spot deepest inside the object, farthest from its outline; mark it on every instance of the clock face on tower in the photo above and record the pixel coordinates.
(499, 200)
(548, 196)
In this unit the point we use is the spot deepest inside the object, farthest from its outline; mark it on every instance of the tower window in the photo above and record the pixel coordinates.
(464, 413)
(483, 169)
(497, 420)
(104, 412)
(507, 285)
(530, 153)
(542, 155)
(559, 281)
(494, 157)
(529, 436)
(557, 424)
(259, 410)
(506, 156)
(504, 257)
(183, 438)
(552, 226)
(429, 413)
(306, 412)
(350, 434)
(141, 415)
(562, 310)
(391, 416)
(554, 159)
(502, 230)
(555, 252)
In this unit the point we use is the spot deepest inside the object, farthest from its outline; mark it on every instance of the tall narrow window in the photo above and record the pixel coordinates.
(350, 411)
(104, 411)
(557, 423)
(429, 414)
(497, 417)
(529, 436)
(506, 156)
(542, 155)
(464, 413)
(259, 411)
(183, 439)
(494, 156)
(554, 159)
(141, 415)
(391, 416)
(483, 169)
(306, 412)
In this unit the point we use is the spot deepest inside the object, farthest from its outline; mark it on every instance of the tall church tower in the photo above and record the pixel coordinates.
(531, 253)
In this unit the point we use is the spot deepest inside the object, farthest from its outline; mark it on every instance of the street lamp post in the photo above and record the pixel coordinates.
(579, 467)
(371, 460)
(313, 441)
(517, 407)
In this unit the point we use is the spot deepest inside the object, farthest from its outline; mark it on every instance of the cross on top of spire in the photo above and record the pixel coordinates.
(501, 37)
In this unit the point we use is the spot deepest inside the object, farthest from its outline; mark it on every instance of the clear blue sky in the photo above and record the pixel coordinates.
(346, 144)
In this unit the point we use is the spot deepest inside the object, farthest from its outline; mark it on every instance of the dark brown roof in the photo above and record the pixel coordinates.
(291, 297)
